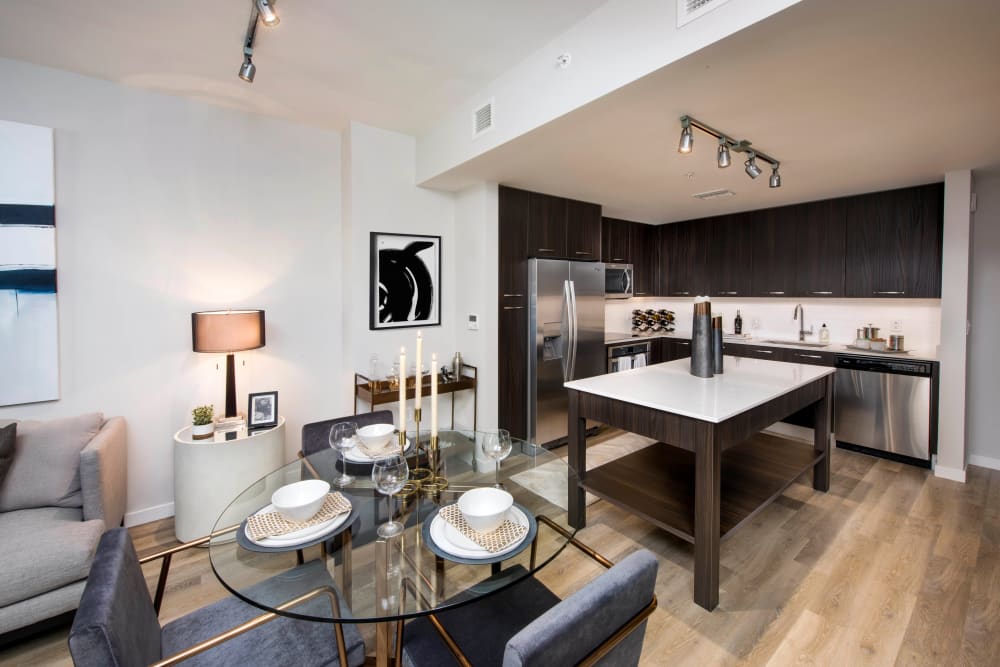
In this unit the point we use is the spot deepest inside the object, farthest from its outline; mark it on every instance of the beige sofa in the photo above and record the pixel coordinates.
(64, 489)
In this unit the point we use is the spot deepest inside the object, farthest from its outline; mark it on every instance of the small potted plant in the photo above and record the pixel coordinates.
(202, 425)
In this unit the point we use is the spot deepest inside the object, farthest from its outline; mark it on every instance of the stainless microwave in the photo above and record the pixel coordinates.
(617, 281)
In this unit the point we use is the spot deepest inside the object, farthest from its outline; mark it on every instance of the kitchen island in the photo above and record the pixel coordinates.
(711, 470)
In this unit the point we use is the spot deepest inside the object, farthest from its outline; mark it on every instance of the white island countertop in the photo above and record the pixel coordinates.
(670, 387)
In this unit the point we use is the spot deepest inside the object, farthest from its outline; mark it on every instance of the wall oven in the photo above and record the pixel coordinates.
(617, 281)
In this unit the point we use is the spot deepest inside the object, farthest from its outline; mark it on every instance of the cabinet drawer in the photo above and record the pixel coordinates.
(809, 357)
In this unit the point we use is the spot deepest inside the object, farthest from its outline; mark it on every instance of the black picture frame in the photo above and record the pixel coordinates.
(262, 410)
(405, 281)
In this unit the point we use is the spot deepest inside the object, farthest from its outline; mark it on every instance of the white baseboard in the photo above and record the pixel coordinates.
(984, 461)
(149, 514)
(954, 474)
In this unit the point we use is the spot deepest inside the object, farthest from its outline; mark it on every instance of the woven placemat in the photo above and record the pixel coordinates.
(493, 541)
(273, 524)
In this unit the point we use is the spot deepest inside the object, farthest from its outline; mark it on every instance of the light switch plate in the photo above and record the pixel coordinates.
(473, 322)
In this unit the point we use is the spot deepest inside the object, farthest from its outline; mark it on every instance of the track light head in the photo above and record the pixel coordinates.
(267, 14)
(775, 181)
(723, 159)
(687, 138)
(753, 171)
(248, 70)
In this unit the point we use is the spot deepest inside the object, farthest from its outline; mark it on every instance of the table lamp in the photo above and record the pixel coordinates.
(228, 331)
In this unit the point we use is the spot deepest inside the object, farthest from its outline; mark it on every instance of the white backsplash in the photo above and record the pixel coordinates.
(920, 318)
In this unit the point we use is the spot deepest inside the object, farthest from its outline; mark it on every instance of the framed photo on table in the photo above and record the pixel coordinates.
(262, 410)
(405, 285)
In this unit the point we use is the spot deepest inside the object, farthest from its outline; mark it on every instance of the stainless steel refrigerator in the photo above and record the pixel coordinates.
(565, 339)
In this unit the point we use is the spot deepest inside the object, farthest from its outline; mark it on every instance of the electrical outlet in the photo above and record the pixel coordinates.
(755, 323)
(897, 325)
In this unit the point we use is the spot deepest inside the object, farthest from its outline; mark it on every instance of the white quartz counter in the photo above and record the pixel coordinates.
(670, 387)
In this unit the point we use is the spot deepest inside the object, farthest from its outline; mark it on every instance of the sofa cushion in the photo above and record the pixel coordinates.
(46, 468)
(8, 435)
(44, 549)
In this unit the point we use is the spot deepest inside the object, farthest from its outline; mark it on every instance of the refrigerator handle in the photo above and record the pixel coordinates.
(566, 331)
(574, 329)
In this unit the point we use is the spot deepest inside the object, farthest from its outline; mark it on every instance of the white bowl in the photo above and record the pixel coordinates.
(484, 509)
(301, 500)
(376, 436)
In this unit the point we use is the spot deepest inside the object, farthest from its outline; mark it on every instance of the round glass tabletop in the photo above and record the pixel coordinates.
(427, 568)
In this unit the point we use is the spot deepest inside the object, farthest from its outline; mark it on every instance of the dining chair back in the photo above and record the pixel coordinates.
(315, 436)
(116, 623)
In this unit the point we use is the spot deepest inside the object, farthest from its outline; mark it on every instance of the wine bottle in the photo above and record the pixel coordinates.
(738, 325)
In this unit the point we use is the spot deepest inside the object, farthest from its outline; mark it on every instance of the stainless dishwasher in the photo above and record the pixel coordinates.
(886, 407)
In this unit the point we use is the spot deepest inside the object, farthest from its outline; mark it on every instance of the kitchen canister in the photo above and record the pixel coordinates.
(717, 344)
(896, 343)
(702, 364)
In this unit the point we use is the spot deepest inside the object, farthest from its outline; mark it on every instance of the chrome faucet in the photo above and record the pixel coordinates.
(800, 315)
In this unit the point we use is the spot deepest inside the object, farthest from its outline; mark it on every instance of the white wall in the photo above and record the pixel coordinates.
(380, 196)
(165, 206)
(983, 382)
(951, 458)
(920, 318)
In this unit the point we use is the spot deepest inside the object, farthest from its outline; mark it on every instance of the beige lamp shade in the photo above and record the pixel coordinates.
(227, 330)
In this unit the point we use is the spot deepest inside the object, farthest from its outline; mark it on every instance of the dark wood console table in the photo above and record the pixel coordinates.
(712, 470)
(379, 392)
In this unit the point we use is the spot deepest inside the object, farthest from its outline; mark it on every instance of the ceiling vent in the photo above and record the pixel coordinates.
(714, 194)
(689, 10)
(482, 119)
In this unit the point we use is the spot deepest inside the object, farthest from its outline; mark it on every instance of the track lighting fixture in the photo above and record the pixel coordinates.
(267, 14)
(261, 11)
(687, 138)
(723, 153)
(726, 145)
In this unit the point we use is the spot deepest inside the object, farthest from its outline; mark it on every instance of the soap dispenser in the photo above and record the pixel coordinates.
(824, 334)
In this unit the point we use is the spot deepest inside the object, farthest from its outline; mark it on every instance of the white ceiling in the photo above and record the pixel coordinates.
(851, 95)
(393, 64)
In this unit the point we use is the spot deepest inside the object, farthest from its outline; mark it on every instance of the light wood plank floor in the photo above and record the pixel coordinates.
(891, 566)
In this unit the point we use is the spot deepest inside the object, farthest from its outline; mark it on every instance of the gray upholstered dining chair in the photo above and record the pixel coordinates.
(315, 436)
(526, 624)
(117, 623)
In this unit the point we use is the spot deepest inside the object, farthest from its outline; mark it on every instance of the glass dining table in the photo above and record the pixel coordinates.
(385, 581)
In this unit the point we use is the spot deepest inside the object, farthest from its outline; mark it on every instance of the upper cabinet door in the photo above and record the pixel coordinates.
(820, 238)
(583, 230)
(547, 226)
(513, 243)
(729, 255)
(645, 259)
(616, 241)
(774, 256)
(894, 243)
(684, 248)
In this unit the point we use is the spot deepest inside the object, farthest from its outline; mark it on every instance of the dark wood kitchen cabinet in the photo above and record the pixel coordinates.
(730, 255)
(645, 245)
(684, 248)
(583, 230)
(513, 243)
(820, 240)
(547, 226)
(616, 241)
(512, 381)
(672, 349)
(774, 258)
(894, 243)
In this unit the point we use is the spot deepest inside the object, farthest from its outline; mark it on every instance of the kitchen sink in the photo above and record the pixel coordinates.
(801, 343)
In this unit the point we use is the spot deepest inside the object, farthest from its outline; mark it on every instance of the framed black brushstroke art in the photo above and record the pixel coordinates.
(405, 281)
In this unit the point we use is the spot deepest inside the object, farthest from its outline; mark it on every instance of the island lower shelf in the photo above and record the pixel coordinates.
(657, 482)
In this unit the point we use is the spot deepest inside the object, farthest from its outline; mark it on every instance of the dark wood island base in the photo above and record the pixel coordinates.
(703, 480)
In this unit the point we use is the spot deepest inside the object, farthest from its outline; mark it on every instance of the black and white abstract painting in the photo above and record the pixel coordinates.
(405, 281)
(29, 338)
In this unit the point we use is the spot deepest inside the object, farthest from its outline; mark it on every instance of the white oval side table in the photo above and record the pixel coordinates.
(209, 473)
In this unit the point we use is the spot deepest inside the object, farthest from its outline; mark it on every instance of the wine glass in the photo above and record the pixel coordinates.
(342, 439)
(496, 446)
(390, 474)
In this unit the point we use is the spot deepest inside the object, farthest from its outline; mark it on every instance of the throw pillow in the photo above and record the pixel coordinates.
(8, 434)
(46, 468)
